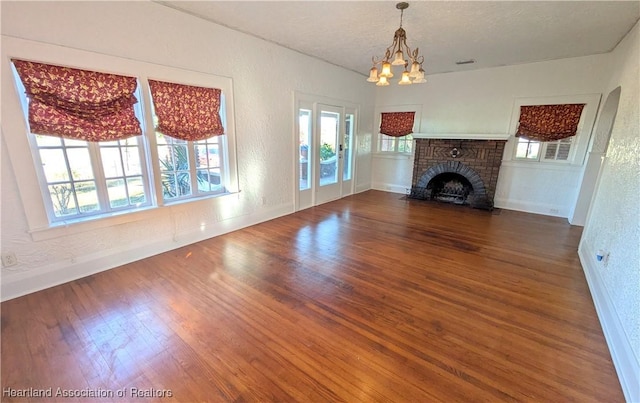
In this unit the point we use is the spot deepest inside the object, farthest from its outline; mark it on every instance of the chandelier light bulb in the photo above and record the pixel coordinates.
(415, 70)
(405, 78)
(399, 60)
(386, 70)
(382, 82)
(373, 75)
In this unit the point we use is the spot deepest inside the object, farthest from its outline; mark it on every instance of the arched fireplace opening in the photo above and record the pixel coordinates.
(450, 187)
(452, 182)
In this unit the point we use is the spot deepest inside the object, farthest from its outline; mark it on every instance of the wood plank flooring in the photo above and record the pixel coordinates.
(369, 298)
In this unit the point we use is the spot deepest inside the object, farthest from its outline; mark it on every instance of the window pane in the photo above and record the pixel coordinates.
(111, 162)
(304, 139)
(348, 136)
(117, 193)
(563, 151)
(408, 140)
(136, 191)
(201, 155)
(80, 163)
(87, 196)
(74, 143)
(47, 141)
(62, 199)
(534, 150)
(169, 190)
(204, 180)
(550, 154)
(131, 141)
(527, 149)
(54, 165)
(387, 143)
(184, 183)
(213, 155)
(329, 129)
(131, 161)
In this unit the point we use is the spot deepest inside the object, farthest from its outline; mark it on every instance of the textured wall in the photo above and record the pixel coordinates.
(613, 223)
(265, 77)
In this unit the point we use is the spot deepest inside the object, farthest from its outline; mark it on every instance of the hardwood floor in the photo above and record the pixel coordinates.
(369, 298)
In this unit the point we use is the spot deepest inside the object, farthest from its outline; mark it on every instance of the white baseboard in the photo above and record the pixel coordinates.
(25, 282)
(391, 187)
(528, 207)
(624, 359)
(362, 188)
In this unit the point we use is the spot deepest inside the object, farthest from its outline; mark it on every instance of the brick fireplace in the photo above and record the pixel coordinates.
(457, 171)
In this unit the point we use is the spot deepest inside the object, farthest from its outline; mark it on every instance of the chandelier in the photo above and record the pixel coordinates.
(398, 50)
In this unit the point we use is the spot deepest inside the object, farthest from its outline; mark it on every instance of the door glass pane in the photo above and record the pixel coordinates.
(346, 146)
(329, 129)
(304, 122)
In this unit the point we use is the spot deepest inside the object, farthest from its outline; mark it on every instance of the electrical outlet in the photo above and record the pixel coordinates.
(9, 259)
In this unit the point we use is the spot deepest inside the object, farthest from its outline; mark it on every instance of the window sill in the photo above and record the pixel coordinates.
(393, 155)
(85, 224)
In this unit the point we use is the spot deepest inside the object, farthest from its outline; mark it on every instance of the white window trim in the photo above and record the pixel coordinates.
(416, 108)
(580, 143)
(16, 138)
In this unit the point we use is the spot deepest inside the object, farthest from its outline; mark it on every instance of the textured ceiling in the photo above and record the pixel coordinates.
(494, 33)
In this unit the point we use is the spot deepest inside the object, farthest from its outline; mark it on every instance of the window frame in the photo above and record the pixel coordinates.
(16, 135)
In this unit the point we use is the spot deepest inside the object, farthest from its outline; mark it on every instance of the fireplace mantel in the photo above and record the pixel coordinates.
(462, 136)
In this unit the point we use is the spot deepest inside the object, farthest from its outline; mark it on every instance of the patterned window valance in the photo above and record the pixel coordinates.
(79, 104)
(549, 122)
(397, 124)
(186, 112)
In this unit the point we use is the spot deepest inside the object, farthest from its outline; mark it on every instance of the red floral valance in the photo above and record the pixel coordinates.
(186, 112)
(549, 122)
(79, 104)
(397, 124)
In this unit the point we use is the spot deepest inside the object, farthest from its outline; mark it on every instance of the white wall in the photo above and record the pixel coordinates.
(481, 102)
(264, 76)
(613, 223)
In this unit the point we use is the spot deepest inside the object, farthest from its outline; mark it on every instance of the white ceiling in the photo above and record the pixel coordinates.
(494, 33)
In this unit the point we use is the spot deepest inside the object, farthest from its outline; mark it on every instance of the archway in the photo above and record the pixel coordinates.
(597, 150)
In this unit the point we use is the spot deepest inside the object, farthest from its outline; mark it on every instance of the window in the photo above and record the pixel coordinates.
(81, 178)
(546, 132)
(85, 178)
(189, 168)
(402, 144)
(395, 132)
(549, 150)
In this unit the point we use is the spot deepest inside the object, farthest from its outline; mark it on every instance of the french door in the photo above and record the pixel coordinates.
(325, 153)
